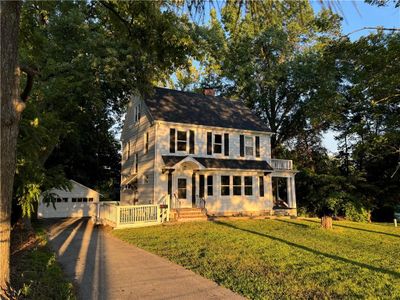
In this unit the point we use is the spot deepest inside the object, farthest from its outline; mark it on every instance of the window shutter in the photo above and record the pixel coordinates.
(191, 142)
(201, 186)
(257, 146)
(209, 143)
(226, 144)
(261, 185)
(242, 145)
(172, 140)
(170, 185)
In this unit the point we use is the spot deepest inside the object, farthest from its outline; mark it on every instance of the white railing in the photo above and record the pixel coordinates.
(122, 216)
(136, 214)
(282, 164)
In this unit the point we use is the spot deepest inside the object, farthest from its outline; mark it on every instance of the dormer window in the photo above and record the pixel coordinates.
(249, 146)
(181, 140)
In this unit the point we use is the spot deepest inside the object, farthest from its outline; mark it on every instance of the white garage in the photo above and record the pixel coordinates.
(80, 201)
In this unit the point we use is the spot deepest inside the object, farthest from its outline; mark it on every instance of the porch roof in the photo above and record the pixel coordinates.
(218, 163)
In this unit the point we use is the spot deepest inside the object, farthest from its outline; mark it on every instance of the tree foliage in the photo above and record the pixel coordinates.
(89, 58)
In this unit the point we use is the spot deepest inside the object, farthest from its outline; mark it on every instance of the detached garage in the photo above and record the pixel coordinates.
(79, 202)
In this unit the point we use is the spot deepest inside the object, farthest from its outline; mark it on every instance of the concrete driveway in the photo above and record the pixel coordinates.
(104, 267)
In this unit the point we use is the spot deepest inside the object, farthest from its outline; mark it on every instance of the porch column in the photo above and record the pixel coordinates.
(289, 191)
(294, 202)
(194, 189)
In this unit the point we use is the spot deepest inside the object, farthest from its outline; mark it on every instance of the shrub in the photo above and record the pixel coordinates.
(356, 213)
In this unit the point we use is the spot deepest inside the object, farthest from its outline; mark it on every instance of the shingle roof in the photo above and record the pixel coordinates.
(191, 108)
(217, 163)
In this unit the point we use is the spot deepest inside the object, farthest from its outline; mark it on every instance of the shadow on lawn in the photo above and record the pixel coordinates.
(360, 229)
(293, 223)
(331, 256)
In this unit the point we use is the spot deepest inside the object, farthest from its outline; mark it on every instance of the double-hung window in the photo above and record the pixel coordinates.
(210, 187)
(249, 146)
(181, 140)
(225, 185)
(237, 185)
(217, 143)
(136, 113)
(248, 185)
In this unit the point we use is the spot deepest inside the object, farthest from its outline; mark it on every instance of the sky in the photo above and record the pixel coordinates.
(358, 14)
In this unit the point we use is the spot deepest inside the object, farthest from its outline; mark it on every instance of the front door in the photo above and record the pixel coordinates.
(183, 193)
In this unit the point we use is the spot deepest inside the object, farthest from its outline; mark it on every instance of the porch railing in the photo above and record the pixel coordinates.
(122, 216)
(282, 164)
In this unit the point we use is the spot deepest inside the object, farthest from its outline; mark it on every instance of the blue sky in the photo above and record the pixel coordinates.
(358, 14)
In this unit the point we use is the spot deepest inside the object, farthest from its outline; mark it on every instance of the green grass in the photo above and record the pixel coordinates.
(37, 275)
(283, 258)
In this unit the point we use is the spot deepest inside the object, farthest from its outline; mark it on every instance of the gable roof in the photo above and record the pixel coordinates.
(191, 108)
(84, 186)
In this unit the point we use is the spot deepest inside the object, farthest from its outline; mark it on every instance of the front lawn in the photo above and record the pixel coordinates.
(283, 258)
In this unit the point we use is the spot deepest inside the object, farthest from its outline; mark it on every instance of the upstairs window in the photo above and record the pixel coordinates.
(249, 146)
(181, 140)
(248, 185)
(218, 143)
(225, 185)
(136, 113)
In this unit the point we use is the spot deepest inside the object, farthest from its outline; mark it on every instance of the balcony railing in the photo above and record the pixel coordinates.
(282, 164)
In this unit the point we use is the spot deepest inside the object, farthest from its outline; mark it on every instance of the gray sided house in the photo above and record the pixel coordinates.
(202, 150)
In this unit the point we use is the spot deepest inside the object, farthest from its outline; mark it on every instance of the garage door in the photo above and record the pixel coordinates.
(67, 210)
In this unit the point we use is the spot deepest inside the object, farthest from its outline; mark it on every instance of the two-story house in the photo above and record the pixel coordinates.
(202, 150)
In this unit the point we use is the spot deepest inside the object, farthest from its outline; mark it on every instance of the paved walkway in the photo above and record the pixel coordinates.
(105, 267)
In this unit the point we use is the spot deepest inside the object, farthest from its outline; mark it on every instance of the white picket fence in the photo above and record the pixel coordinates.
(124, 216)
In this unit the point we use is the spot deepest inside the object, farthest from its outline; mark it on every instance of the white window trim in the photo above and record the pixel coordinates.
(210, 185)
(221, 185)
(252, 186)
(176, 141)
(246, 138)
(214, 143)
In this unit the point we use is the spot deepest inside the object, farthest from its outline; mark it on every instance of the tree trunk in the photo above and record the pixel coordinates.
(11, 108)
(326, 222)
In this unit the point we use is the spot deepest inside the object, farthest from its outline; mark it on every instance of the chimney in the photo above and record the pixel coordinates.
(209, 92)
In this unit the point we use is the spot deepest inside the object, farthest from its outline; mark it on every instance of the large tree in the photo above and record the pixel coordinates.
(275, 64)
(11, 108)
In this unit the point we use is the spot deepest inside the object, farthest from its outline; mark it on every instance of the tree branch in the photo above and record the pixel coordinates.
(30, 73)
(116, 13)
(374, 28)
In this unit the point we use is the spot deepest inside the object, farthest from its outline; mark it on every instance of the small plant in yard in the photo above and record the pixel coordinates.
(283, 258)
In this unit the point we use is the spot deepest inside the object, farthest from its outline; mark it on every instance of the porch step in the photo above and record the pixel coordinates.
(191, 214)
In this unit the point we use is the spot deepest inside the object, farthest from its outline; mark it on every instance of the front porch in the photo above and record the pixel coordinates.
(192, 183)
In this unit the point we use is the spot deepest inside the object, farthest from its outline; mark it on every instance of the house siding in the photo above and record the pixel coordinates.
(216, 204)
(134, 132)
